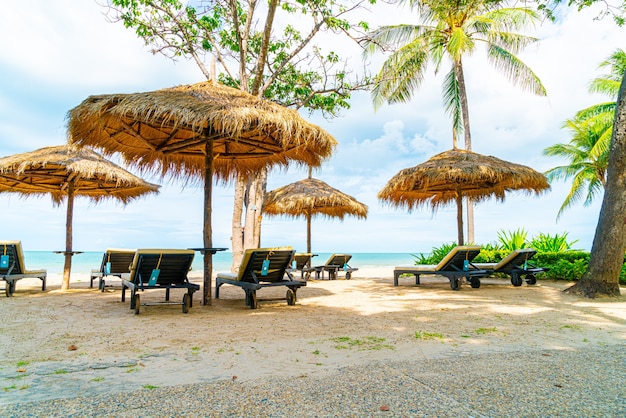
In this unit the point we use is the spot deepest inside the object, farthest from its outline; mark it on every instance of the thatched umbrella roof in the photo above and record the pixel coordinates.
(203, 129)
(169, 129)
(64, 172)
(454, 174)
(311, 197)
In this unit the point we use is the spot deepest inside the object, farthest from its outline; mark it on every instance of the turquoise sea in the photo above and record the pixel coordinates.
(83, 263)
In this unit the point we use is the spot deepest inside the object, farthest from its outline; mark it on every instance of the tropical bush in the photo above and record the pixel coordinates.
(553, 252)
(436, 254)
(551, 243)
(513, 240)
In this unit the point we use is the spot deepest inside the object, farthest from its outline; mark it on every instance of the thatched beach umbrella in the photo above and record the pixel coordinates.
(311, 197)
(454, 174)
(64, 172)
(204, 130)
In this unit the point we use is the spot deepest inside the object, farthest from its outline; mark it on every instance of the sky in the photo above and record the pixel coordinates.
(53, 55)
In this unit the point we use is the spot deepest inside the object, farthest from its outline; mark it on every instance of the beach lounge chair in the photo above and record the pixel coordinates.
(115, 262)
(162, 269)
(335, 264)
(262, 267)
(12, 267)
(455, 265)
(302, 262)
(516, 265)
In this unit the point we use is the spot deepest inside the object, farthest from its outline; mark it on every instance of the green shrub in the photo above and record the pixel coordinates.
(513, 240)
(436, 255)
(551, 243)
(563, 265)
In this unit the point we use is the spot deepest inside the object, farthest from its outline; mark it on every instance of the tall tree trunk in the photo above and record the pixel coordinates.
(208, 231)
(468, 142)
(267, 33)
(67, 266)
(249, 195)
(470, 221)
(236, 227)
(261, 190)
(607, 251)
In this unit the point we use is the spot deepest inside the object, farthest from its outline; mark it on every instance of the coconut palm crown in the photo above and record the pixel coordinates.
(451, 29)
(591, 129)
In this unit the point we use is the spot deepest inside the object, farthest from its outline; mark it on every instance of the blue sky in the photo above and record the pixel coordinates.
(63, 51)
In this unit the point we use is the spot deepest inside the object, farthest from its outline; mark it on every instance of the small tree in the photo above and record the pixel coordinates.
(452, 30)
(607, 251)
(258, 53)
(588, 150)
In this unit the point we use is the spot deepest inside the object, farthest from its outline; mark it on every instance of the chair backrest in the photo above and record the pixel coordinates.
(302, 260)
(120, 259)
(173, 265)
(338, 260)
(251, 269)
(13, 249)
(455, 259)
(515, 259)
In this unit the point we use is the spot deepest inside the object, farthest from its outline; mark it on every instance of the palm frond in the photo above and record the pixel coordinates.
(459, 44)
(605, 86)
(401, 75)
(597, 109)
(452, 100)
(512, 18)
(512, 42)
(515, 70)
(392, 37)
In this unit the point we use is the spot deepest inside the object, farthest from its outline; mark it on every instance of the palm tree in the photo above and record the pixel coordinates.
(591, 128)
(452, 29)
(588, 161)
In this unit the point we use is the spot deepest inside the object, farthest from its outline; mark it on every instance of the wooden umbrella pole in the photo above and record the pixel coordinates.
(67, 267)
(308, 232)
(208, 232)
(459, 215)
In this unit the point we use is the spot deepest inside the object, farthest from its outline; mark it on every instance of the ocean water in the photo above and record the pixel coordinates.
(83, 263)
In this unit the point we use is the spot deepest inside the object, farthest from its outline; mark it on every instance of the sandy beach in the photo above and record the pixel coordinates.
(57, 347)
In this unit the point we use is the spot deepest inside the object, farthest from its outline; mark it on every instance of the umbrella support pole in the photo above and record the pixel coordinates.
(67, 266)
(208, 232)
(459, 216)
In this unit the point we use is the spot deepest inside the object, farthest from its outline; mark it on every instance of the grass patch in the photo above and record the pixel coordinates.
(483, 331)
(149, 387)
(22, 363)
(9, 388)
(97, 379)
(366, 343)
(567, 326)
(60, 371)
(423, 335)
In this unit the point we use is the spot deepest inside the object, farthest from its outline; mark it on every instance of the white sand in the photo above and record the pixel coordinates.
(333, 324)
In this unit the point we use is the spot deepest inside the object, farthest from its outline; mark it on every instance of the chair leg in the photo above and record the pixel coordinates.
(190, 293)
